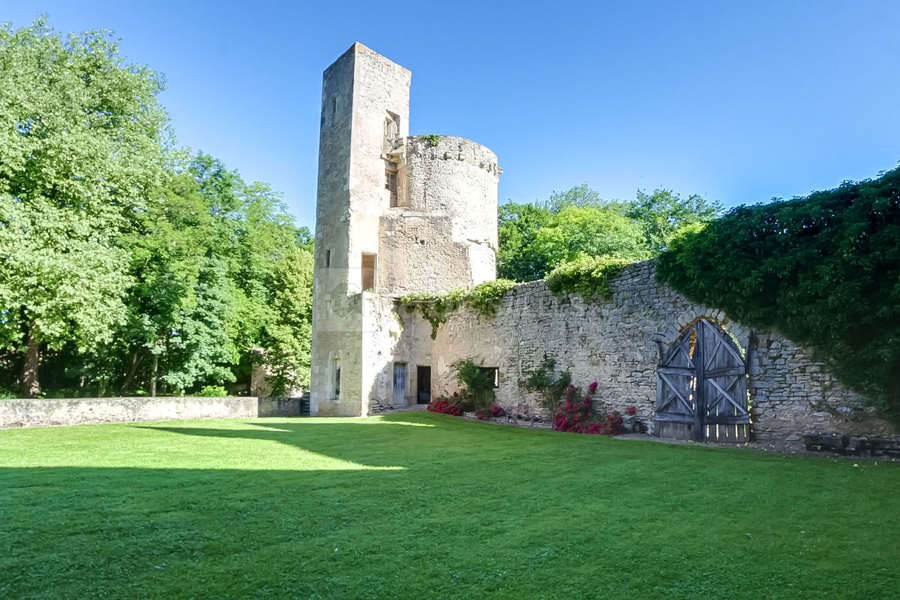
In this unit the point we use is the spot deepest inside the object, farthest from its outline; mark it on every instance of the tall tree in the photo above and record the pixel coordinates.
(82, 141)
(517, 229)
(593, 231)
(663, 213)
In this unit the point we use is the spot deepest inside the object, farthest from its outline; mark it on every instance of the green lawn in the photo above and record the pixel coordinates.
(419, 505)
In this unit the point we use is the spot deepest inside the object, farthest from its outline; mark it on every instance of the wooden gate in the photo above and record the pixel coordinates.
(701, 390)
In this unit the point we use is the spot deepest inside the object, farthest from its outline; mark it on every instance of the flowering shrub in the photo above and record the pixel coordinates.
(631, 410)
(577, 416)
(489, 412)
(442, 405)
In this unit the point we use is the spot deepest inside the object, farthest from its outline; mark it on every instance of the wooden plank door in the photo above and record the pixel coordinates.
(676, 408)
(701, 391)
(726, 416)
(399, 384)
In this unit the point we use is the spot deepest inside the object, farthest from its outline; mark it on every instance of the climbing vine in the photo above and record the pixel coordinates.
(586, 275)
(483, 299)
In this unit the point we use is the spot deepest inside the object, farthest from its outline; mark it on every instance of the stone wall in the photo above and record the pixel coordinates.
(615, 343)
(46, 412)
(43, 412)
(279, 406)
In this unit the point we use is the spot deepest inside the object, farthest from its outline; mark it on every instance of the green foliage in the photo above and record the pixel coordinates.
(824, 270)
(483, 299)
(213, 391)
(535, 238)
(580, 196)
(433, 140)
(663, 213)
(594, 231)
(586, 275)
(200, 349)
(81, 154)
(479, 382)
(517, 256)
(544, 381)
(290, 335)
(123, 261)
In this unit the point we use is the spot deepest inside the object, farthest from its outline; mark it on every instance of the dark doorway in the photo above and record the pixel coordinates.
(423, 385)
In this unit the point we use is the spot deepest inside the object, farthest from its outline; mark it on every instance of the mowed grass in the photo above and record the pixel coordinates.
(420, 505)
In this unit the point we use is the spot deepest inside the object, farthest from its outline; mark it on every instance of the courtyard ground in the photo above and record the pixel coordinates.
(421, 505)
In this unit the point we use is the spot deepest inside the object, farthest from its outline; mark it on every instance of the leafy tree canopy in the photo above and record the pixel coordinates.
(81, 150)
(535, 238)
(123, 261)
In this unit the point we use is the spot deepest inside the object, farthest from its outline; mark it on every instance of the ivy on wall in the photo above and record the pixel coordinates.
(483, 299)
(824, 270)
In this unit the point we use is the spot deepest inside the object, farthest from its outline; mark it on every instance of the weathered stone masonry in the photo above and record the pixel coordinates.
(614, 343)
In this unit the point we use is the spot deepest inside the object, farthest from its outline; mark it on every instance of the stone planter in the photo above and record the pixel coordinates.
(629, 424)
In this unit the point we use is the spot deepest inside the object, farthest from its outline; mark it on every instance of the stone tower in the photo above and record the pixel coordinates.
(395, 215)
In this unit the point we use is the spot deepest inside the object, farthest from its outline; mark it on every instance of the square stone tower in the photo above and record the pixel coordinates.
(395, 215)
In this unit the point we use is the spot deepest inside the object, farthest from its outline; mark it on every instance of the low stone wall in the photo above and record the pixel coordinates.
(46, 412)
(275, 406)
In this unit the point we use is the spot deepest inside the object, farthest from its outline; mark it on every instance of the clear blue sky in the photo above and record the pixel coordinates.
(737, 101)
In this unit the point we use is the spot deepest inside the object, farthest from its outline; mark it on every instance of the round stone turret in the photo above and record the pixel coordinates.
(444, 234)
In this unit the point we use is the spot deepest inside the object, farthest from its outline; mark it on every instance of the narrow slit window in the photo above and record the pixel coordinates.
(369, 265)
(327, 258)
(337, 378)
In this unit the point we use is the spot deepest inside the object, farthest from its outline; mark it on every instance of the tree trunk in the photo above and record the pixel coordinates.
(135, 361)
(153, 376)
(31, 384)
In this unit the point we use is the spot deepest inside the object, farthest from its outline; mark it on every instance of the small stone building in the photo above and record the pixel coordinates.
(398, 215)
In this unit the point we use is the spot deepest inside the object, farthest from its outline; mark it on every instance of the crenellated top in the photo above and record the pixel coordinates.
(452, 148)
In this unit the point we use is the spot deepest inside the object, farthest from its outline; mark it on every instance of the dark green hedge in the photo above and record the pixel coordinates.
(824, 270)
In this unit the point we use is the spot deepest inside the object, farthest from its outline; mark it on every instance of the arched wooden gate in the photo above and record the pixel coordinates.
(701, 390)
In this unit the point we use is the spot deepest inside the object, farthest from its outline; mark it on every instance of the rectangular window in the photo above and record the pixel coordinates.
(368, 268)
(390, 184)
(495, 374)
(391, 126)
(327, 258)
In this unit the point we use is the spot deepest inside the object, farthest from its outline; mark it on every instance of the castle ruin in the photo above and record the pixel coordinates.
(398, 215)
